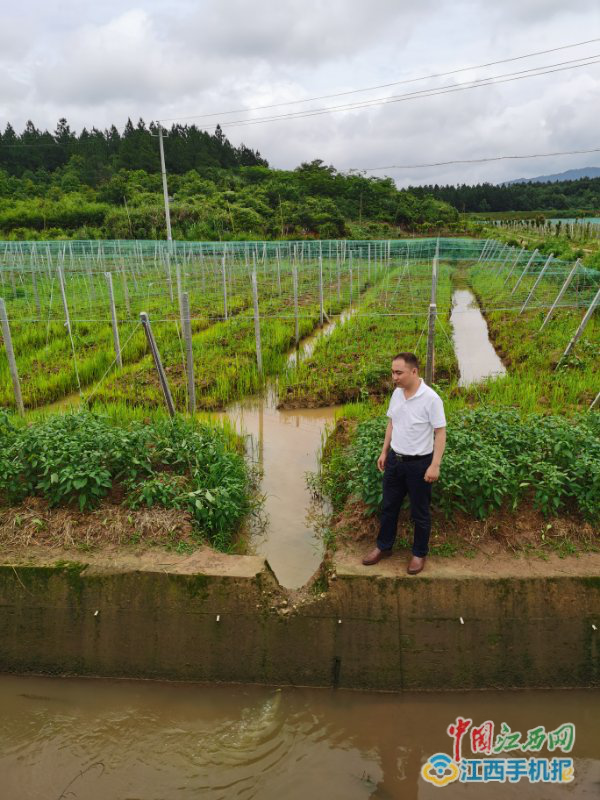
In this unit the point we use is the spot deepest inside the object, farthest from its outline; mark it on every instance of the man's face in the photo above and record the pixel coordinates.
(402, 374)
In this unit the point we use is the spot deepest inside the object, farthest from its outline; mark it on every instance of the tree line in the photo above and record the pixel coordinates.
(99, 154)
(583, 194)
(103, 184)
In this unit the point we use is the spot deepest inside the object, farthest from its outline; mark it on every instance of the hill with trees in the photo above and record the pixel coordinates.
(107, 184)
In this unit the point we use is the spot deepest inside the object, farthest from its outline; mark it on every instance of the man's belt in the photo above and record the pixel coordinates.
(410, 458)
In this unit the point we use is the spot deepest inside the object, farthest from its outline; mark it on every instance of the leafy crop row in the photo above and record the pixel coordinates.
(78, 459)
(536, 380)
(494, 459)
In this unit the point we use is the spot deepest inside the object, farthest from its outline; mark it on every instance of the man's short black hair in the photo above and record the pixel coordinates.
(409, 359)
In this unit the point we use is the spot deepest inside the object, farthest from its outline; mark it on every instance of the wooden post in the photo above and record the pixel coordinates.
(535, 285)
(512, 269)
(10, 354)
(125, 291)
(13, 284)
(168, 266)
(430, 344)
(36, 296)
(61, 280)
(502, 264)
(581, 328)
(256, 321)
(189, 353)
(483, 250)
(92, 284)
(113, 316)
(278, 256)
(499, 255)
(434, 279)
(350, 271)
(559, 296)
(162, 377)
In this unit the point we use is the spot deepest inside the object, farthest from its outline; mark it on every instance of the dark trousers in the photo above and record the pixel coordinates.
(399, 479)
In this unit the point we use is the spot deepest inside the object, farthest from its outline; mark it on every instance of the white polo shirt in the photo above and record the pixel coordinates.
(414, 420)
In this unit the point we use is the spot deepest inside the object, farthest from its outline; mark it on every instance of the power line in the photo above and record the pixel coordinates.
(448, 89)
(478, 160)
(382, 85)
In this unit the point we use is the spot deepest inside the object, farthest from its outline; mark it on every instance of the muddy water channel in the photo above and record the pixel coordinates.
(126, 740)
(477, 359)
(286, 445)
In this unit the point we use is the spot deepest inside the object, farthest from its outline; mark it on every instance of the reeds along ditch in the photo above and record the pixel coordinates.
(224, 349)
(538, 380)
(353, 363)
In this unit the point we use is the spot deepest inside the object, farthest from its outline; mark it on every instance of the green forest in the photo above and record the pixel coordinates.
(582, 195)
(106, 184)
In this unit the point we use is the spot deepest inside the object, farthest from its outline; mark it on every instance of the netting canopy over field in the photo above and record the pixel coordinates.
(235, 309)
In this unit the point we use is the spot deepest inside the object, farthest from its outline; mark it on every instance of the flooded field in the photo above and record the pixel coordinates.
(477, 359)
(126, 740)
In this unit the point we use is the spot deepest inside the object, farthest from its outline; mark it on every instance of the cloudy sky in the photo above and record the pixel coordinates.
(100, 63)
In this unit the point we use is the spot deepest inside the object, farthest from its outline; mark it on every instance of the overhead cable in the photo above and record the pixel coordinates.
(382, 85)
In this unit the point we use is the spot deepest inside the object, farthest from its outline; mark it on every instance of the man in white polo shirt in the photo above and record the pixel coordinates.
(410, 460)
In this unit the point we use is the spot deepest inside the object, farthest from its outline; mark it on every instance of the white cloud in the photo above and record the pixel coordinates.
(100, 63)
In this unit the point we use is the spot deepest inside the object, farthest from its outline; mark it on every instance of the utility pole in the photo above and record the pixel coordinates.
(163, 172)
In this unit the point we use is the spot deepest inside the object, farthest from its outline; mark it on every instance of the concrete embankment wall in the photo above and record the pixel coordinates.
(367, 631)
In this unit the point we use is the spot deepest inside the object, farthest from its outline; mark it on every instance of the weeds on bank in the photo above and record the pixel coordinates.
(353, 362)
(538, 379)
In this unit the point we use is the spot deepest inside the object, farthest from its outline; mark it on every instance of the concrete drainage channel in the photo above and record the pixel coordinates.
(226, 618)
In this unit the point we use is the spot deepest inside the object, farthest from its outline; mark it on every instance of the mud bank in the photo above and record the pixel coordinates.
(209, 617)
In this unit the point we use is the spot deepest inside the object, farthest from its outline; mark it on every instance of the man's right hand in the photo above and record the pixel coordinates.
(381, 461)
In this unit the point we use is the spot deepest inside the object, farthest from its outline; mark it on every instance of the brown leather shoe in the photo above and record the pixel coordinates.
(375, 555)
(416, 565)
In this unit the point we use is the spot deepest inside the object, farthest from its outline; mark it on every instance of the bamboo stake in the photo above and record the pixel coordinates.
(162, 377)
(256, 321)
(10, 354)
(113, 316)
(189, 353)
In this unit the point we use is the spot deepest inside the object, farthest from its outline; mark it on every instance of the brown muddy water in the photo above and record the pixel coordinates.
(127, 740)
(286, 445)
(477, 359)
